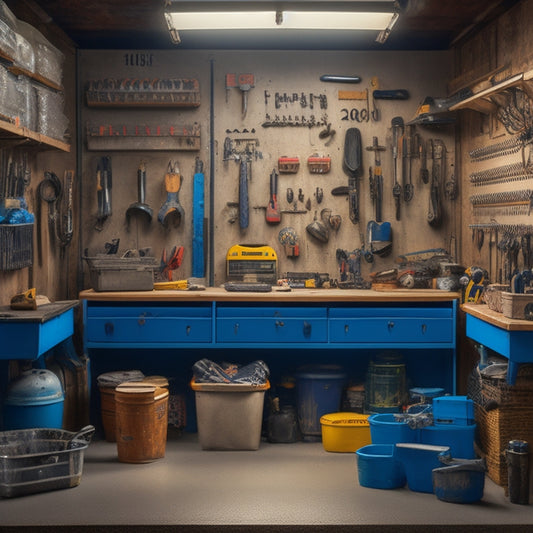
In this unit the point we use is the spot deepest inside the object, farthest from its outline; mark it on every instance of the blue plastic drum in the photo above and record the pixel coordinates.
(34, 400)
(319, 392)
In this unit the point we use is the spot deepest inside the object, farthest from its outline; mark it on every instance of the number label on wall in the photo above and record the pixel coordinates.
(138, 59)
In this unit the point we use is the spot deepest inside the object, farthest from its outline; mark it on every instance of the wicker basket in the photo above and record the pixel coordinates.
(492, 296)
(502, 412)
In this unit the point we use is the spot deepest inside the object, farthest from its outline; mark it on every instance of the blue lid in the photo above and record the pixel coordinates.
(34, 387)
(321, 372)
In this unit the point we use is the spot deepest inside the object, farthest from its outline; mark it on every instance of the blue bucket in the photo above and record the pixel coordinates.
(460, 483)
(34, 400)
(460, 439)
(385, 429)
(418, 461)
(377, 467)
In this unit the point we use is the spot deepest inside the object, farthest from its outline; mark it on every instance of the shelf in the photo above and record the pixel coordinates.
(482, 102)
(173, 92)
(13, 133)
(128, 137)
(15, 69)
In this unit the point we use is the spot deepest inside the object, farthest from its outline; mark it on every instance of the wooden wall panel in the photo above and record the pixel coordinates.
(422, 74)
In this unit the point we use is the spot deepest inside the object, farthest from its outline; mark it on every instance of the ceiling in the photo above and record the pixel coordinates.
(110, 24)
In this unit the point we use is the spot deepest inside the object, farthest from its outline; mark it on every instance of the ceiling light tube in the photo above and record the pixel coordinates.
(202, 15)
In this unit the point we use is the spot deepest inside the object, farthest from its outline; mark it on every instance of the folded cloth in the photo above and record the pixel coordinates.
(207, 371)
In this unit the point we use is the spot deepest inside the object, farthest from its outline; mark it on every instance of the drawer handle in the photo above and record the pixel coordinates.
(236, 328)
(188, 330)
(346, 328)
(307, 329)
(109, 328)
(390, 325)
(424, 328)
(279, 323)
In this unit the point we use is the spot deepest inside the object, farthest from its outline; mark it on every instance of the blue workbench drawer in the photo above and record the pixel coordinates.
(271, 325)
(391, 325)
(149, 325)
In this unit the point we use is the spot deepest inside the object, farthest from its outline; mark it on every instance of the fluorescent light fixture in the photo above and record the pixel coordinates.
(377, 15)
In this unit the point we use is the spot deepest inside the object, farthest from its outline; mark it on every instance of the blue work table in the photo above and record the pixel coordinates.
(509, 337)
(297, 324)
(27, 334)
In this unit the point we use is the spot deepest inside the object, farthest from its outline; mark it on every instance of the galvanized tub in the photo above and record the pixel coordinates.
(38, 460)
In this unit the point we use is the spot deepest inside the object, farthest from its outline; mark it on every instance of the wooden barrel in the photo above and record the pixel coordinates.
(141, 422)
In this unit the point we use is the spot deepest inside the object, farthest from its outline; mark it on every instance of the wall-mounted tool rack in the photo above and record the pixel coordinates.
(172, 92)
(106, 137)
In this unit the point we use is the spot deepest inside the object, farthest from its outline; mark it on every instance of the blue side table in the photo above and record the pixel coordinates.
(509, 337)
(27, 334)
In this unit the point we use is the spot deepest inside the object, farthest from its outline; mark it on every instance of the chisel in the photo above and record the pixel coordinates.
(392, 94)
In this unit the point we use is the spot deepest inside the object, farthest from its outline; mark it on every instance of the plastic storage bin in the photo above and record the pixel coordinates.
(38, 460)
(418, 461)
(377, 468)
(345, 432)
(460, 439)
(319, 392)
(385, 429)
(229, 415)
(457, 410)
(34, 400)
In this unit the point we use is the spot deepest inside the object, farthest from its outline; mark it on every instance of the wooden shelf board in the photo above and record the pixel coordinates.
(481, 100)
(17, 132)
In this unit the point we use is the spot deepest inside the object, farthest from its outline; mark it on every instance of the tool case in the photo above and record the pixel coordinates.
(110, 273)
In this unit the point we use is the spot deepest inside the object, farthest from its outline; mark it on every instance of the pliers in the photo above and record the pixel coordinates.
(174, 261)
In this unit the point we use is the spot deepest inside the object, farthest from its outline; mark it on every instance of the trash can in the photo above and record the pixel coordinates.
(229, 415)
(34, 400)
(319, 392)
(106, 384)
(141, 421)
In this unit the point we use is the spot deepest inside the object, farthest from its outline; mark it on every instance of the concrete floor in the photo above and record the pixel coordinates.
(289, 487)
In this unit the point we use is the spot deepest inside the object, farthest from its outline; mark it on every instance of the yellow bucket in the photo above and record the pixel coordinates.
(345, 432)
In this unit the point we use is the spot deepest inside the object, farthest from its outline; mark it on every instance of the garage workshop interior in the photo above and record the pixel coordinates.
(266, 265)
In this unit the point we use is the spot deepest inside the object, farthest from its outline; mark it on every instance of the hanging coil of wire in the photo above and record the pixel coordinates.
(50, 190)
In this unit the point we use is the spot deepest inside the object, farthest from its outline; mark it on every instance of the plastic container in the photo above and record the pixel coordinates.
(418, 461)
(142, 420)
(457, 410)
(345, 432)
(460, 482)
(34, 400)
(385, 429)
(229, 415)
(424, 394)
(319, 392)
(282, 425)
(377, 468)
(385, 388)
(460, 439)
(38, 460)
